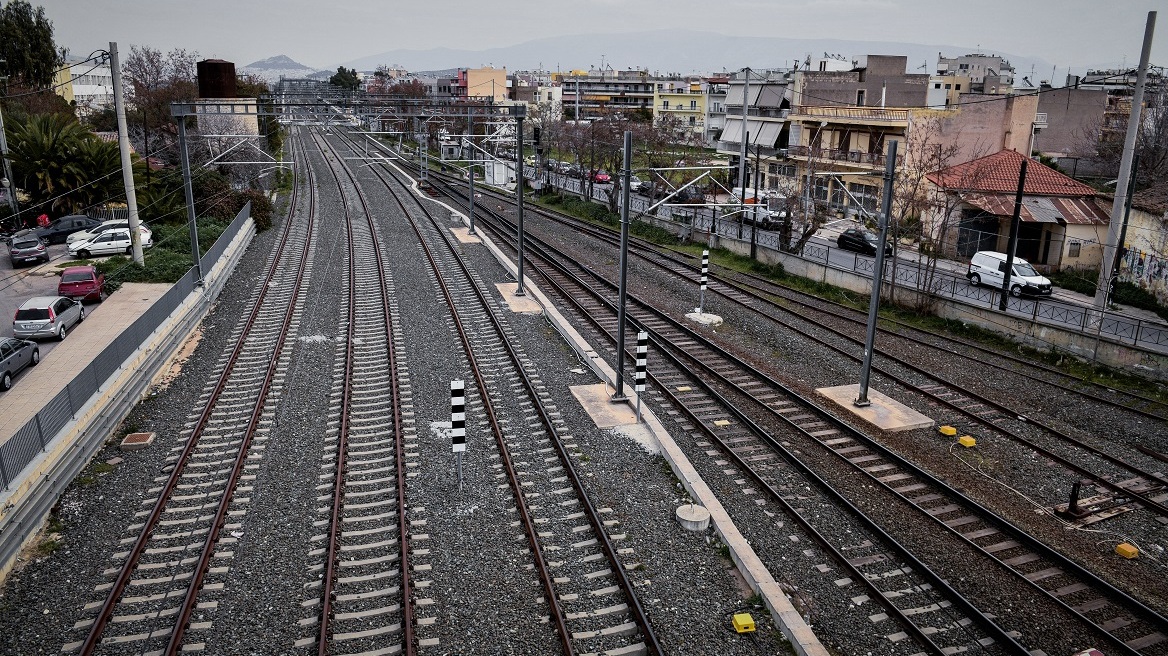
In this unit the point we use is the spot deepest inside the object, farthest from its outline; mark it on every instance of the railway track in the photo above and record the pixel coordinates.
(362, 582)
(147, 605)
(575, 551)
(1126, 623)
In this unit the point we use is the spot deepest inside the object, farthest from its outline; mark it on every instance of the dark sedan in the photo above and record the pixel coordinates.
(861, 241)
(58, 231)
(15, 355)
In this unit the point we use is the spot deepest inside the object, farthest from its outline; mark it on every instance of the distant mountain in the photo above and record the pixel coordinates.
(673, 51)
(273, 68)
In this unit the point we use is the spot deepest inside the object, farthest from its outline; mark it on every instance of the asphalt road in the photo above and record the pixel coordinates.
(24, 282)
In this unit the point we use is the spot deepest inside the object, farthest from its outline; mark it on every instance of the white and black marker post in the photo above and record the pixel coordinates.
(705, 279)
(458, 425)
(642, 358)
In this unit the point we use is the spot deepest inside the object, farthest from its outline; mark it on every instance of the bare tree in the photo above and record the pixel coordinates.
(155, 81)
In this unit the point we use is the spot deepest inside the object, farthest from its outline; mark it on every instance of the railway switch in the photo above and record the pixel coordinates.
(743, 623)
(948, 431)
(1127, 550)
(967, 441)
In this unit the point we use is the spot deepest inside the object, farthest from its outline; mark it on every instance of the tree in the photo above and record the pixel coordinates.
(26, 45)
(61, 165)
(1101, 142)
(345, 78)
(155, 81)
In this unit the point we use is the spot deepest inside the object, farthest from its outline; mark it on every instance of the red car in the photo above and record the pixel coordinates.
(82, 283)
(601, 176)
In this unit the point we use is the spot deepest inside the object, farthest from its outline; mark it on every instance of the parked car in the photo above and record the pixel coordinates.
(861, 241)
(58, 231)
(27, 247)
(110, 242)
(989, 267)
(86, 235)
(15, 355)
(575, 171)
(601, 176)
(82, 283)
(47, 316)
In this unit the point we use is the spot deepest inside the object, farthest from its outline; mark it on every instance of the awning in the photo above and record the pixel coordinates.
(763, 133)
(1041, 209)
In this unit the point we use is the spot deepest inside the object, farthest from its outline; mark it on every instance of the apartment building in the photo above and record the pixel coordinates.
(989, 74)
(598, 93)
(85, 84)
(682, 104)
(486, 83)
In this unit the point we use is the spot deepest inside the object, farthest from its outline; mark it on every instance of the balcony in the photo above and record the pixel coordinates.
(856, 157)
(1040, 120)
(864, 115)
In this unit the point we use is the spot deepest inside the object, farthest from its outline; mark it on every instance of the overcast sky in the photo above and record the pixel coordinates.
(1074, 33)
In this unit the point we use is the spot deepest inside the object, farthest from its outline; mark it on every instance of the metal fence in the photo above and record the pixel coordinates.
(913, 275)
(35, 435)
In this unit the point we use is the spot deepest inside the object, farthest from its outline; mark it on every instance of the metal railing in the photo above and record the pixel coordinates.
(34, 437)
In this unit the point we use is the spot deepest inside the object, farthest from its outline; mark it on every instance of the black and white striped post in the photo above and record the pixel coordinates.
(642, 360)
(458, 424)
(705, 279)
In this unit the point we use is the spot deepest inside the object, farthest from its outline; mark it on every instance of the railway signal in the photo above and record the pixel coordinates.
(458, 424)
(642, 359)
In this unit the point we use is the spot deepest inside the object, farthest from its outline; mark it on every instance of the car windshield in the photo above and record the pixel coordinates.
(26, 243)
(77, 276)
(1024, 269)
(32, 314)
(872, 239)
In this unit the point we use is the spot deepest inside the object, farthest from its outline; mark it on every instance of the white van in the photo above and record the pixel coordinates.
(988, 268)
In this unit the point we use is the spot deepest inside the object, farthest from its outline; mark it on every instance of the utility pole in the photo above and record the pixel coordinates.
(519, 111)
(473, 157)
(626, 172)
(754, 227)
(877, 278)
(1111, 250)
(1012, 244)
(124, 148)
(742, 150)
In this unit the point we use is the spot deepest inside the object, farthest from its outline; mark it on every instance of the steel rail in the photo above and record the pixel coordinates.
(1074, 568)
(557, 612)
(938, 581)
(640, 617)
(409, 647)
(1143, 498)
(677, 257)
(106, 612)
(208, 551)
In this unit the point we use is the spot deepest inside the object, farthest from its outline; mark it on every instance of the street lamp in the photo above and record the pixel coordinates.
(519, 111)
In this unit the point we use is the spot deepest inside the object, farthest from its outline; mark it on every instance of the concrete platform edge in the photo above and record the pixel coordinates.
(33, 494)
(789, 621)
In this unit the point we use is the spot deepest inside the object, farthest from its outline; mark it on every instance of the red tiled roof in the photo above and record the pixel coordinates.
(998, 173)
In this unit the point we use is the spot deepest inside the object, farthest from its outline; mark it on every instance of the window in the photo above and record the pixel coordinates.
(860, 97)
(936, 85)
(664, 104)
(948, 86)
(693, 104)
(958, 87)
(1073, 249)
(820, 189)
(866, 195)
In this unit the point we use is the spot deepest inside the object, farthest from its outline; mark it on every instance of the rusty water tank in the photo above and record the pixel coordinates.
(216, 78)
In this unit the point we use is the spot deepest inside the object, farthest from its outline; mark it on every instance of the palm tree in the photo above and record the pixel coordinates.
(61, 164)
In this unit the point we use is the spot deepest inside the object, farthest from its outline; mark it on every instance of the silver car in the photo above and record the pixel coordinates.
(47, 316)
(15, 355)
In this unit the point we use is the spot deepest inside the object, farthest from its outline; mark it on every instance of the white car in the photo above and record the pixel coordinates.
(86, 235)
(110, 242)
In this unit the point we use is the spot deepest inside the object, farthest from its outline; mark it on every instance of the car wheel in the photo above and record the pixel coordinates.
(61, 333)
(1016, 290)
(83, 254)
(975, 280)
(6, 382)
(36, 358)
(129, 250)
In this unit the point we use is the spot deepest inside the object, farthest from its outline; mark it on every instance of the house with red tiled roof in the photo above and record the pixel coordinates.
(1062, 225)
